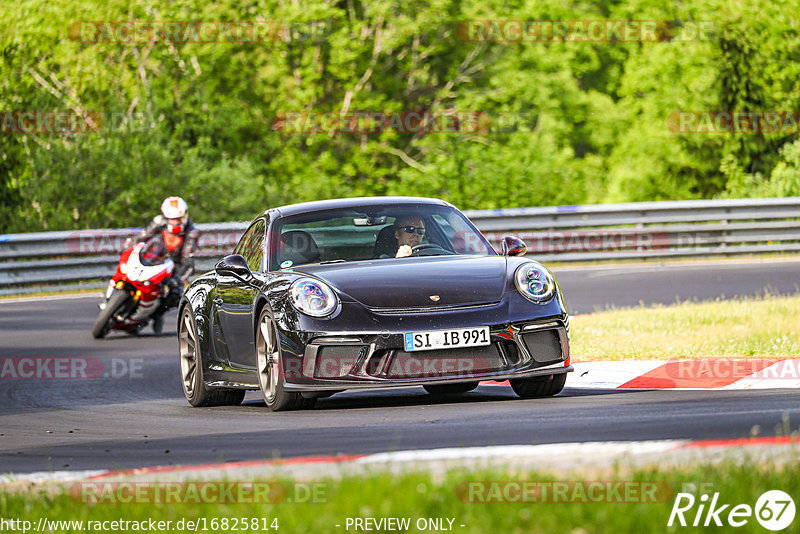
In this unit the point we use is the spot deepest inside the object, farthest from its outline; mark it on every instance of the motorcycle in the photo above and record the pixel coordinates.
(136, 290)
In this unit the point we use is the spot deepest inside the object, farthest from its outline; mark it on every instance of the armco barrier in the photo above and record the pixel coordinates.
(67, 260)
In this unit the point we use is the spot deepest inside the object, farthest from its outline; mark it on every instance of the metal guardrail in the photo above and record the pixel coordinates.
(64, 260)
(61, 260)
(642, 230)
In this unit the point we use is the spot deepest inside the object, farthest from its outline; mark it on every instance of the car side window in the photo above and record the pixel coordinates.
(251, 246)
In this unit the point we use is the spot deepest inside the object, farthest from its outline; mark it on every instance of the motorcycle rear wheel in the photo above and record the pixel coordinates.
(107, 319)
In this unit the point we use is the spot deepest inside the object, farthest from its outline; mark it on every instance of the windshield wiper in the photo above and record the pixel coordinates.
(331, 261)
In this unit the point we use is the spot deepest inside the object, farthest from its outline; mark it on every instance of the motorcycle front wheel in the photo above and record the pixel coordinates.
(108, 317)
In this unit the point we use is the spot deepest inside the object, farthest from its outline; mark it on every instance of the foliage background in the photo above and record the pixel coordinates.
(592, 116)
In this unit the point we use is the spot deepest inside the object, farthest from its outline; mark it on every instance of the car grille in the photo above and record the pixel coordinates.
(445, 363)
(544, 346)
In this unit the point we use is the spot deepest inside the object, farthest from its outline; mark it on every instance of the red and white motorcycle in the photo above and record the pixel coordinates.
(136, 290)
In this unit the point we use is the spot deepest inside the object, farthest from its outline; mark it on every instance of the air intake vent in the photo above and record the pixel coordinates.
(335, 361)
(544, 346)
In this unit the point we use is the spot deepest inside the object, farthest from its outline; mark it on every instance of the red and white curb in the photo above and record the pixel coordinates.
(682, 374)
(547, 456)
(687, 374)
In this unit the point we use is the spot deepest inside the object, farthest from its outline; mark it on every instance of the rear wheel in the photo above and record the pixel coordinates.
(194, 386)
(450, 389)
(107, 319)
(545, 386)
(271, 369)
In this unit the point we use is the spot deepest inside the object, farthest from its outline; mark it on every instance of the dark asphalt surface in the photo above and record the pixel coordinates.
(136, 415)
(597, 288)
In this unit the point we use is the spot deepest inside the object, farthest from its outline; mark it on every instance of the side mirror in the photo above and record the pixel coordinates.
(513, 246)
(234, 265)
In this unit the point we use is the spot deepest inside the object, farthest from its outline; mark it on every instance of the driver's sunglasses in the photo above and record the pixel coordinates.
(411, 229)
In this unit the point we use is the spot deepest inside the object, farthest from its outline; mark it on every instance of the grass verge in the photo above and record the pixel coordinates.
(764, 327)
(460, 496)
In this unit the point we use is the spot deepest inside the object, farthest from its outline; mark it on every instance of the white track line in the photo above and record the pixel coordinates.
(49, 476)
(586, 449)
(45, 298)
(433, 457)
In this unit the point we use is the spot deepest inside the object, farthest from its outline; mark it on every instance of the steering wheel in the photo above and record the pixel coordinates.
(423, 246)
(428, 246)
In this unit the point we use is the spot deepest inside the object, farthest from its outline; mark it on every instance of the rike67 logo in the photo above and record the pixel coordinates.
(774, 510)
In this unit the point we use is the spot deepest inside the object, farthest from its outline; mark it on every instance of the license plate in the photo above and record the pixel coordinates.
(446, 339)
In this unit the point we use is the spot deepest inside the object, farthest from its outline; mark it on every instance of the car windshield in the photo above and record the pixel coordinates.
(374, 233)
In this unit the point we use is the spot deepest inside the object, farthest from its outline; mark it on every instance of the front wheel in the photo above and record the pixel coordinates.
(272, 370)
(191, 364)
(545, 386)
(107, 318)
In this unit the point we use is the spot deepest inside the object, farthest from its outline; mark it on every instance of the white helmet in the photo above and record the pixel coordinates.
(175, 208)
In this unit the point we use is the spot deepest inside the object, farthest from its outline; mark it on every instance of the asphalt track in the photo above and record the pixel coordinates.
(136, 416)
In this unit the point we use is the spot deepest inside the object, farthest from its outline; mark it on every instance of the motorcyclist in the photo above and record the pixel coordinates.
(178, 232)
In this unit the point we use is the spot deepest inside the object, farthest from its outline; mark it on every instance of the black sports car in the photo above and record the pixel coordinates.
(326, 296)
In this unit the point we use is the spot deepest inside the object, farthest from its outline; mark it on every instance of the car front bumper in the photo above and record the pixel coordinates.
(332, 362)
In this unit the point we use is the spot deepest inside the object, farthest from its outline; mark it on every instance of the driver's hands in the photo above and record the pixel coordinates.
(403, 252)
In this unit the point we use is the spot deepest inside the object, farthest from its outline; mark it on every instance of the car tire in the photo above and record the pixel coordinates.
(450, 389)
(191, 365)
(271, 369)
(106, 320)
(546, 386)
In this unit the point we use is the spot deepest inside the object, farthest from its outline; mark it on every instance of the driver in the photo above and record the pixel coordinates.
(408, 231)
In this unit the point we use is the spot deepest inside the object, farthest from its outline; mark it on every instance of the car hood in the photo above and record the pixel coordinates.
(417, 282)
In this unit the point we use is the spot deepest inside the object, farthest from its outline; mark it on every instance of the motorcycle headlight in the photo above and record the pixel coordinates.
(313, 297)
(534, 282)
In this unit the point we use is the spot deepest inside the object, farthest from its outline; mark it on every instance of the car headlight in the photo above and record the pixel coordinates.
(534, 282)
(313, 297)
